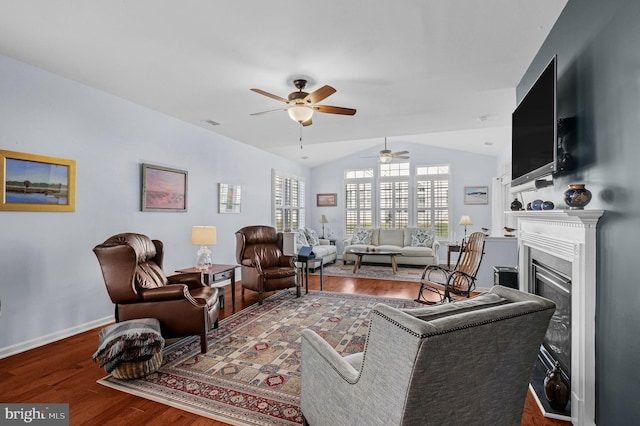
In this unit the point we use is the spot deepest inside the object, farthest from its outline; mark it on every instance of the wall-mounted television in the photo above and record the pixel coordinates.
(534, 130)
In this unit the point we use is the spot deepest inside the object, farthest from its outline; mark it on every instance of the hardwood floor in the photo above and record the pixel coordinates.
(63, 372)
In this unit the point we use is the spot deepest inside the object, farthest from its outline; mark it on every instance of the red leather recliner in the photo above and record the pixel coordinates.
(132, 269)
(263, 265)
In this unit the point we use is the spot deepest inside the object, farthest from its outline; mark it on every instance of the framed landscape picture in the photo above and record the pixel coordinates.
(33, 182)
(163, 189)
(476, 195)
(327, 200)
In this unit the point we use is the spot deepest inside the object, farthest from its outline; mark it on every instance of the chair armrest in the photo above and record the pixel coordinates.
(324, 242)
(167, 292)
(192, 279)
(435, 269)
(435, 247)
(287, 261)
(312, 342)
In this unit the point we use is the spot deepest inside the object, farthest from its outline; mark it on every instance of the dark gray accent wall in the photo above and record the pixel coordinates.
(598, 48)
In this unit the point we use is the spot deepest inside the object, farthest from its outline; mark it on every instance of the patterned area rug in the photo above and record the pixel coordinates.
(251, 373)
(372, 271)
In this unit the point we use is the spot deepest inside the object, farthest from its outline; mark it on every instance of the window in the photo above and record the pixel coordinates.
(432, 198)
(402, 200)
(288, 202)
(393, 194)
(358, 199)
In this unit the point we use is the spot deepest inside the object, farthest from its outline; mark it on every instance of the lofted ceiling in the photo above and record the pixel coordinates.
(435, 72)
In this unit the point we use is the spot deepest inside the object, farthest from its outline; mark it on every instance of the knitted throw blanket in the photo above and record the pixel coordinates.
(128, 341)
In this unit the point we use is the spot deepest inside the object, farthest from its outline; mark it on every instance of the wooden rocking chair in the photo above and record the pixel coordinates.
(462, 279)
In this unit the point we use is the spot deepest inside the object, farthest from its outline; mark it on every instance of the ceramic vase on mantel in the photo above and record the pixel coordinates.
(577, 196)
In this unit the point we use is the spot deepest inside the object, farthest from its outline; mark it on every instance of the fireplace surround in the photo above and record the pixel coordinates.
(568, 236)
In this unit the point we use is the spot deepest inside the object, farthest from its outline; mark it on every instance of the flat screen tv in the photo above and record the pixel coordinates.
(534, 130)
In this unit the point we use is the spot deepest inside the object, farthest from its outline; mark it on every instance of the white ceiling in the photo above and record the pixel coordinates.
(439, 72)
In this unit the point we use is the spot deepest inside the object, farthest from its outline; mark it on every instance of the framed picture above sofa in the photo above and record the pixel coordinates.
(327, 200)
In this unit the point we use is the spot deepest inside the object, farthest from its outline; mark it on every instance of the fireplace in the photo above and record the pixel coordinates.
(551, 278)
(558, 260)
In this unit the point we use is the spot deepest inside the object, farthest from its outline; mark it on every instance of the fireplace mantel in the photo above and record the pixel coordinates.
(569, 235)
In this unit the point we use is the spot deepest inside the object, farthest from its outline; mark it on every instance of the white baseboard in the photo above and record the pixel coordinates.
(53, 337)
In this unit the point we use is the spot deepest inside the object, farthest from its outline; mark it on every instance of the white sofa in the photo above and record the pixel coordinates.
(322, 248)
(417, 246)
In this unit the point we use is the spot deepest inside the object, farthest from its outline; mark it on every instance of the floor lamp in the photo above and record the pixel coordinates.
(323, 220)
(465, 220)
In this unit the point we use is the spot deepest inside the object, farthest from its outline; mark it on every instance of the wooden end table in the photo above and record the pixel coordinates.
(360, 252)
(217, 274)
(453, 248)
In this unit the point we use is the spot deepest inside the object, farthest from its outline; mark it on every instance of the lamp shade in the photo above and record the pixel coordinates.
(300, 113)
(323, 219)
(465, 220)
(203, 235)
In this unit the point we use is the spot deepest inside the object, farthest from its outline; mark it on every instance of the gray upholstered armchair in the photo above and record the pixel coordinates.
(464, 363)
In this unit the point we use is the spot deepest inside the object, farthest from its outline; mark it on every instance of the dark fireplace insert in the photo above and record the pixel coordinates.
(551, 278)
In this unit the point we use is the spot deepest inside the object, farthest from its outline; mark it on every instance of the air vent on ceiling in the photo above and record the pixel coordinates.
(213, 123)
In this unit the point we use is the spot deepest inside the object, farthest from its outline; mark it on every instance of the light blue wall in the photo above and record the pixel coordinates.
(599, 83)
(50, 281)
(467, 169)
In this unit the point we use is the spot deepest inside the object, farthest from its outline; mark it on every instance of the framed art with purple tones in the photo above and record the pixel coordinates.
(163, 189)
(33, 182)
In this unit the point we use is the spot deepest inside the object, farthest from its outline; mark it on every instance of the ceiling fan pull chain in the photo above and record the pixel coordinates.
(300, 136)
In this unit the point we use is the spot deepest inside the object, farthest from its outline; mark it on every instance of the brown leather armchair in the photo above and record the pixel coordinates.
(132, 269)
(263, 264)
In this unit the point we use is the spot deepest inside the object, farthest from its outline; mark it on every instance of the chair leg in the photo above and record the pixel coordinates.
(203, 342)
(259, 298)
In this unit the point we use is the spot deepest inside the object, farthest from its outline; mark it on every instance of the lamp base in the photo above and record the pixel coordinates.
(204, 258)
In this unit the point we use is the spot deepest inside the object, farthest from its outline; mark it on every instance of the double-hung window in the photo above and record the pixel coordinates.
(358, 190)
(393, 193)
(288, 201)
(432, 198)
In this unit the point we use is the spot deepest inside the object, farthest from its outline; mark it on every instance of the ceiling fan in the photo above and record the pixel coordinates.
(301, 104)
(386, 156)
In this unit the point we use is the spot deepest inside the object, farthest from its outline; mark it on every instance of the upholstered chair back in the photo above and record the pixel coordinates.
(258, 242)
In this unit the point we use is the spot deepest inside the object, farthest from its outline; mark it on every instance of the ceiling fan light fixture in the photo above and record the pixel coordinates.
(300, 113)
(385, 158)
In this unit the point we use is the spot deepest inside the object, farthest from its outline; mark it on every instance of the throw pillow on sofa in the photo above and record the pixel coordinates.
(361, 236)
(422, 238)
(312, 237)
(301, 238)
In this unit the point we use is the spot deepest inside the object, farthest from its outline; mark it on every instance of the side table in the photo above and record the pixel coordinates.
(303, 271)
(452, 248)
(215, 276)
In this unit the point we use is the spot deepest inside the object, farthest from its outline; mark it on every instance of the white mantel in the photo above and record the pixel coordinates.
(569, 235)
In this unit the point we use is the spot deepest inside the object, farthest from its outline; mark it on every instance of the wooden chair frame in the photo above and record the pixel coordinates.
(461, 279)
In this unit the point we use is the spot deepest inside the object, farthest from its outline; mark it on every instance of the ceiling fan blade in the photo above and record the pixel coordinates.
(267, 112)
(320, 94)
(334, 109)
(269, 95)
(395, 154)
(307, 123)
(404, 157)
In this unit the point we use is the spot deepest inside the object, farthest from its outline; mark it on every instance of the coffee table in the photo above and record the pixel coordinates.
(362, 252)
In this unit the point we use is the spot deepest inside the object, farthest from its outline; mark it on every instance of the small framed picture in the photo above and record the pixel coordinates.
(163, 189)
(476, 195)
(229, 198)
(327, 200)
(37, 183)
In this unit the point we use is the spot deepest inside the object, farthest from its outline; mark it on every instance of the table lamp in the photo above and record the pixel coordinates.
(323, 220)
(203, 236)
(465, 220)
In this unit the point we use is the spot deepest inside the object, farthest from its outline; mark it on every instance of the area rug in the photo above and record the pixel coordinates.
(372, 271)
(251, 373)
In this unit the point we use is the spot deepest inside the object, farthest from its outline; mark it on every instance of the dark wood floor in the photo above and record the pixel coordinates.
(63, 372)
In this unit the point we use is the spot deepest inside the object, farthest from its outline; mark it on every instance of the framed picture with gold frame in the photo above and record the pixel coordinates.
(37, 183)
